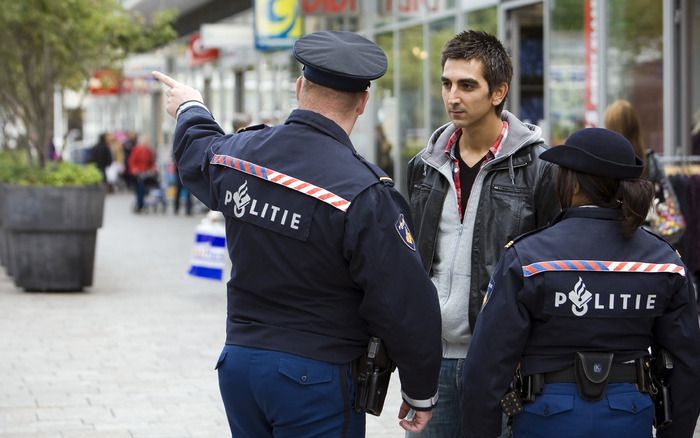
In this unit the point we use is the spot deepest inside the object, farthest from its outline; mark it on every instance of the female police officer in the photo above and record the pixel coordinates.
(576, 306)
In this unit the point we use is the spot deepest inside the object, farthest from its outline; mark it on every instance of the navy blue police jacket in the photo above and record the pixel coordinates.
(578, 285)
(321, 250)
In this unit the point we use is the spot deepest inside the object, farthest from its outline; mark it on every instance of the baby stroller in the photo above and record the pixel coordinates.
(155, 195)
(154, 200)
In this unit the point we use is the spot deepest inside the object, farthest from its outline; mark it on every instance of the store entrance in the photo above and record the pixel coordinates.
(524, 39)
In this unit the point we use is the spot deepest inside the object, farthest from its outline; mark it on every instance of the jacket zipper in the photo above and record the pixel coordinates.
(454, 257)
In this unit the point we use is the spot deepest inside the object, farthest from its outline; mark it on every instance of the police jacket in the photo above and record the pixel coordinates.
(512, 194)
(321, 249)
(578, 285)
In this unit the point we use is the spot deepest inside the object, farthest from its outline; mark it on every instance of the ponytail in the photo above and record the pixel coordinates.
(631, 196)
(635, 197)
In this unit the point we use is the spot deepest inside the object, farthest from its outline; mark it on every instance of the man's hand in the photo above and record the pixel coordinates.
(177, 92)
(417, 423)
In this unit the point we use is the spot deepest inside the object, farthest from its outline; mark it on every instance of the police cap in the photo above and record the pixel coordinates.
(599, 152)
(343, 61)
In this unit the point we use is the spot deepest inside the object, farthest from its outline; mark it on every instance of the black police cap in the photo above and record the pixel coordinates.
(599, 152)
(343, 61)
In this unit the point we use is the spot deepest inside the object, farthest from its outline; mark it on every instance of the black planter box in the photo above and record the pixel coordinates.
(50, 235)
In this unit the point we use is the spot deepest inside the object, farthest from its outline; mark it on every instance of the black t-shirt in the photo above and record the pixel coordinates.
(467, 176)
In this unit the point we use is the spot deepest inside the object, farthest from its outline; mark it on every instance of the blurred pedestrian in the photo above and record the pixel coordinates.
(240, 121)
(384, 159)
(127, 146)
(180, 192)
(142, 165)
(575, 308)
(622, 118)
(101, 154)
(695, 134)
(311, 227)
(478, 184)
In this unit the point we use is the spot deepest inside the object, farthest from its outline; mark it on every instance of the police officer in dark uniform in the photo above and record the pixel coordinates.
(322, 253)
(575, 307)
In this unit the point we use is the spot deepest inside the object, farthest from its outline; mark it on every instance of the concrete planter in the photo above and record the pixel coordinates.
(51, 233)
(3, 245)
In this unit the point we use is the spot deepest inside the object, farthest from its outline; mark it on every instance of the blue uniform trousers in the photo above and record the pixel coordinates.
(560, 412)
(274, 394)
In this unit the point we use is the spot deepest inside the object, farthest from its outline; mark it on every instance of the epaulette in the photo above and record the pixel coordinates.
(386, 181)
(521, 236)
(252, 128)
(663, 240)
(376, 171)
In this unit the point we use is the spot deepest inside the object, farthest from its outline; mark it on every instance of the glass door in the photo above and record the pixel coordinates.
(523, 35)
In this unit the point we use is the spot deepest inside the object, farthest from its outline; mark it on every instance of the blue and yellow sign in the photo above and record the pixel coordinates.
(277, 24)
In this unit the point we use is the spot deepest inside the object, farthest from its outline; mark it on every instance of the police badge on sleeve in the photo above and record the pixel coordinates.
(405, 234)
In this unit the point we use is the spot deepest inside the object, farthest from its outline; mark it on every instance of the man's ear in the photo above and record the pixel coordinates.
(499, 94)
(360, 107)
(298, 87)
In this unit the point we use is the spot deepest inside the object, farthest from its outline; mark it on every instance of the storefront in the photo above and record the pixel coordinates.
(571, 59)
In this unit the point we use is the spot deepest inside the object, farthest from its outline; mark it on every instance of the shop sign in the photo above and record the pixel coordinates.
(141, 65)
(590, 36)
(104, 82)
(352, 7)
(199, 54)
(414, 8)
(277, 24)
(329, 7)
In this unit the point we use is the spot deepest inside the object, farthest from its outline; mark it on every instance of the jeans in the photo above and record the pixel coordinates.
(447, 414)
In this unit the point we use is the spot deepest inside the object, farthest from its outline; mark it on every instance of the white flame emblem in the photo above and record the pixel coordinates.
(580, 298)
(241, 199)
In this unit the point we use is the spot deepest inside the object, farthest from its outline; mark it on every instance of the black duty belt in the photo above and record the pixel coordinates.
(620, 373)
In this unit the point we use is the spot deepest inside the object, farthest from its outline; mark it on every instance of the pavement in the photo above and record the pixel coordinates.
(133, 355)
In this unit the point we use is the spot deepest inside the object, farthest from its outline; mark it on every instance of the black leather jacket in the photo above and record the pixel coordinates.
(517, 196)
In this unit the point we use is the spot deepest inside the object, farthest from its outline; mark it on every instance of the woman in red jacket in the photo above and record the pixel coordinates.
(142, 165)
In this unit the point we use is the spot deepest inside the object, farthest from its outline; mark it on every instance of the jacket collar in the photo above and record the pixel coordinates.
(610, 214)
(321, 123)
(520, 134)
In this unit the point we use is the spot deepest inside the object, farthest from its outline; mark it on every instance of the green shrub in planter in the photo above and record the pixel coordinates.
(49, 220)
(59, 174)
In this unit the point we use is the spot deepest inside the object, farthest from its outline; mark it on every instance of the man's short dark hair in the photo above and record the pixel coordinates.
(484, 47)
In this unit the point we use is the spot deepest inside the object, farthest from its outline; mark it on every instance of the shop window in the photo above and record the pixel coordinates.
(440, 32)
(383, 12)
(567, 81)
(386, 132)
(411, 9)
(485, 19)
(412, 126)
(635, 61)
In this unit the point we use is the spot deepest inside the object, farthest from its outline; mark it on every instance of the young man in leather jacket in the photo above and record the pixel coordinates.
(478, 184)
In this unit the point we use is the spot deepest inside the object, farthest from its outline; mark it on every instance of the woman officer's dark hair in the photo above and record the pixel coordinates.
(632, 196)
(602, 165)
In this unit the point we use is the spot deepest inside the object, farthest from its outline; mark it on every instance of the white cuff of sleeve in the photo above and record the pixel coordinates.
(189, 104)
(420, 404)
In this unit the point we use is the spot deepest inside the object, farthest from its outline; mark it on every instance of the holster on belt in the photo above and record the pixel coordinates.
(592, 371)
(372, 372)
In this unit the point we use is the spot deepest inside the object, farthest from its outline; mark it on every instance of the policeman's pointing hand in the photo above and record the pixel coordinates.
(415, 424)
(177, 93)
